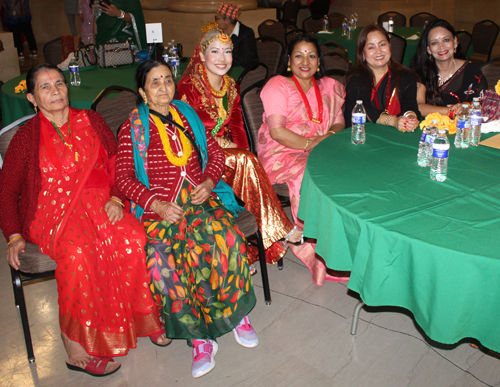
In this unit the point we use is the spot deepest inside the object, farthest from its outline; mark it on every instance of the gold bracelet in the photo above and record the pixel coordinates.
(117, 201)
(331, 131)
(388, 118)
(307, 144)
(13, 239)
(410, 113)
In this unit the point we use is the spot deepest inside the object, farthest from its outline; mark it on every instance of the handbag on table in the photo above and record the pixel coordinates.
(490, 109)
(115, 54)
(86, 56)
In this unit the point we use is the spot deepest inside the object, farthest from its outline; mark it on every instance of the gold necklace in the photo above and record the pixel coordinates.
(442, 81)
(216, 93)
(187, 149)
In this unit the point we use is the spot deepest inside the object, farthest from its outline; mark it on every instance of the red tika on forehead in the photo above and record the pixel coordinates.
(228, 10)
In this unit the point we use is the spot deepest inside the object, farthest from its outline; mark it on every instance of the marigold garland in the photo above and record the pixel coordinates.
(21, 88)
(497, 87)
(444, 122)
(187, 149)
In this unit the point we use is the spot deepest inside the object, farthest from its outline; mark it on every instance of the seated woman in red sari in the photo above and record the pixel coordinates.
(57, 190)
(196, 254)
(214, 95)
(388, 90)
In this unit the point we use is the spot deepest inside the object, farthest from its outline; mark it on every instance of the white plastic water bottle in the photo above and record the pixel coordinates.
(425, 146)
(391, 25)
(174, 61)
(440, 149)
(349, 31)
(74, 72)
(358, 120)
(355, 21)
(476, 121)
(165, 54)
(462, 137)
(344, 26)
(326, 23)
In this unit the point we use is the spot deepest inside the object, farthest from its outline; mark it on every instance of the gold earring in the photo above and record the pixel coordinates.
(145, 100)
(317, 70)
(288, 68)
(36, 109)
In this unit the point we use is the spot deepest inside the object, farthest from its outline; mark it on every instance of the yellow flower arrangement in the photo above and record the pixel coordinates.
(21, 88)
(443, 122)
(497, 87)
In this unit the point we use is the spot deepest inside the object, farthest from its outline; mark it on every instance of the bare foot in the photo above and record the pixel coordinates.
(163, 340)
(79, 358)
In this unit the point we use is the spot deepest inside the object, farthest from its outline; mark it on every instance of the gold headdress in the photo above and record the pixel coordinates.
(223, 37)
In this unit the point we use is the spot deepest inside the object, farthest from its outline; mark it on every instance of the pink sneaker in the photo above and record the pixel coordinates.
(203, 357)
(245, 335)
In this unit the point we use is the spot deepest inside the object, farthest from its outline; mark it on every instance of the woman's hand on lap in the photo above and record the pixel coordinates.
(114, 211)
(171, 212)
(202, 192)
(16, 247)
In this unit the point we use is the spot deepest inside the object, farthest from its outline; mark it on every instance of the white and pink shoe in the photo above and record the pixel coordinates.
(245, 335)
(204, 352)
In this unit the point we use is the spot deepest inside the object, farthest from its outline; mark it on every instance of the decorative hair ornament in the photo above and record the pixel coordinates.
(223, 37)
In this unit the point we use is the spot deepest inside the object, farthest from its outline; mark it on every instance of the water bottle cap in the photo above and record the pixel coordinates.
(441, 130)
(435, 122)
(464, 105)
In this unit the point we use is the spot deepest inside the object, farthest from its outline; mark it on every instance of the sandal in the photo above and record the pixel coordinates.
(289, 235)
(95, 367)
(154, 338)
(253, 269)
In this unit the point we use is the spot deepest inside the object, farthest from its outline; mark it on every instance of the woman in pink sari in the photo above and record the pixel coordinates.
(301, 110)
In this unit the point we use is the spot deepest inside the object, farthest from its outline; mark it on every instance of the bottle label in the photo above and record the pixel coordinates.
(358, 118)
(440, 151)
(429, 139)
(463, 124)
(73, 69)
(174, 62)
(476, 119)
(423, 138)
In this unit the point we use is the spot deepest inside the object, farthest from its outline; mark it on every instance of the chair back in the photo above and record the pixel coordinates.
(272, 28)
(339, 75)
(419, 19)
(484, 36)
(464, 39)
(252, 110)
(290, 35)
(398, 47)
(291, 10)
(336, 61)
(313, 25)
(52, 52)
(253, 75)
(270, 51)
(398, 18)
(331, 46)
(115, 111)
(491, 71)
(336, 20)
(8, 132)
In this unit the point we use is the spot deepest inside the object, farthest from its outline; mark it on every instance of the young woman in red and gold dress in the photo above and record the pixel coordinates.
(214, 95)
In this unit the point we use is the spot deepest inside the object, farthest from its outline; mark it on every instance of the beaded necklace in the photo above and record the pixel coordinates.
(306, 102)
(221, 94)
(187, 149)
(70, 146)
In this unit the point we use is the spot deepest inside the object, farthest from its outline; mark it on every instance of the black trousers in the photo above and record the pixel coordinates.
(24, 27)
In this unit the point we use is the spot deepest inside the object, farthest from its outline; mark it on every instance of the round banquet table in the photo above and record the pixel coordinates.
(94, 80)
(350, 45)
(409, 241)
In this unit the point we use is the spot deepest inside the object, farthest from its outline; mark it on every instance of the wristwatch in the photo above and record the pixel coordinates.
(122, 15)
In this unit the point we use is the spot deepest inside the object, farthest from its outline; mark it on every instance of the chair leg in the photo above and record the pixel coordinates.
(20, 302)
(355, 317)
(280, 264)
(263, 268)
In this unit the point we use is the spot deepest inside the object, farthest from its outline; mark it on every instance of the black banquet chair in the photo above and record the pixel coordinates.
(255, 74)
(419, 19)
(270, 51)
(336, 20)
(484, 36)
(33, 264)
(491, 71)
(272, 28)
(398, 18)
(313, 25)
(52, 52)
(398, 47)
(464, 39)
(291, 10)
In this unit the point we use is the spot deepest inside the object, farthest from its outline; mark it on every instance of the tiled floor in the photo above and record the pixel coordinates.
(304, 341)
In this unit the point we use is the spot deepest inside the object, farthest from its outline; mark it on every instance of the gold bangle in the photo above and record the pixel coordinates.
(13, 239)
(410, 113)
(387, 119)
(307, 144)
(117, 201)
(331, 131)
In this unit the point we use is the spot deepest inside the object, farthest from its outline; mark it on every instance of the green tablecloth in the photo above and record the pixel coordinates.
(350, 45)
(94, 80)
(408, 241)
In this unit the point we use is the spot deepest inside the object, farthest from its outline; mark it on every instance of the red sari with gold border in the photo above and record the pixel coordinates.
(104, 299)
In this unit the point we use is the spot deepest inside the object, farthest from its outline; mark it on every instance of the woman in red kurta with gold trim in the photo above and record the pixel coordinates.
(214, 95)
(57, 190)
